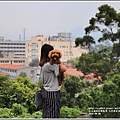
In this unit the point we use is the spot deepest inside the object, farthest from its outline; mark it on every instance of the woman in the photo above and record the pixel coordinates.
(51, 88)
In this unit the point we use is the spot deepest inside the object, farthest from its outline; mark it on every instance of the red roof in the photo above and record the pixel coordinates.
(74, 72)
(10, 66)
(91, 76)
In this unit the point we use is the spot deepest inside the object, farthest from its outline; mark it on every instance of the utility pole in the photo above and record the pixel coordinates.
(70, 44)
(49, 39)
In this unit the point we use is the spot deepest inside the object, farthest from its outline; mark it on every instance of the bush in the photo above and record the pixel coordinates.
(5, 113)
(18, 110)
(37, 114)
(66, 112)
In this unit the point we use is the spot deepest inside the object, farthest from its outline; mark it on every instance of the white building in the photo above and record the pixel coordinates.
(15, 47)
(15, 70)
(14, 52)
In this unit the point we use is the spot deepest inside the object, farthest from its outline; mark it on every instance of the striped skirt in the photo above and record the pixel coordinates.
(51, 104)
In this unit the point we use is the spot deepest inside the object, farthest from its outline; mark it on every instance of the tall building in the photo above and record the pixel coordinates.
(61, 42)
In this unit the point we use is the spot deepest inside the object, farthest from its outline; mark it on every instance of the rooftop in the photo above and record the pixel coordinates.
(10, 66)
(74, 72)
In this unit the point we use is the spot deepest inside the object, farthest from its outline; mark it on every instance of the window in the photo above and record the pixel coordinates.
(33, 51)
(6, 61)
(32, 71)
(34, 45)
(34, 57)
(63, 46)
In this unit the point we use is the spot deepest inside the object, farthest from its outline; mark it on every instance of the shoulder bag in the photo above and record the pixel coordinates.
(38, 99)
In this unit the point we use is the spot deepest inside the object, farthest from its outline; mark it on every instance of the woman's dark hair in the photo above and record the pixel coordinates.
(46, 48)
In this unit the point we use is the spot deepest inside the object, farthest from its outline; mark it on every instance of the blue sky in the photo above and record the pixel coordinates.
(47, 18)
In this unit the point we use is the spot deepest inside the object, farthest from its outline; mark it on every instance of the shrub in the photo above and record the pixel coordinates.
(66, 112)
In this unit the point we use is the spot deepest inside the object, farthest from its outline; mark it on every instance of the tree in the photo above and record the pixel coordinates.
(71, 89)
(4, 89)
(97, 63)
(74, 61)
(26, 89)
(18, 110)
(1, 55)
(20, 91)
(34, 62)
(106, 22)
(98, 47)
(23, 74)
(85, 41)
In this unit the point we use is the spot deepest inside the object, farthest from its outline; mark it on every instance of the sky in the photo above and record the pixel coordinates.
(31, 18)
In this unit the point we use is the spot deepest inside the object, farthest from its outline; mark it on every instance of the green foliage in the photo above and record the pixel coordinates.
(21, 105)
(34, 62)
(20, 91)
(98, 47)
(24, 115)
(23, 74)
(95, 64)
(17, 110)
(76, 96)
(74, 61)
(118, 66)
(64, 97)
(85, 41)
(106, 96)
(66, 112)
(72, 85)
(4, 88)
(71, 89)
(115, 49)
(84, 100)
(5, 113)
(107, 23)
(37, 114)
(1, 55)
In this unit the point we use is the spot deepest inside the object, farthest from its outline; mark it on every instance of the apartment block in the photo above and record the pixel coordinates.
(13, 51)
(60, 42)
(15, 47)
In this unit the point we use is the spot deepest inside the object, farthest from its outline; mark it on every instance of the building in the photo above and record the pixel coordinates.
(23, 52)
(74, 72)
(15, 47)
(61, 42)
(15, 70)
(13, 51)
(1, 38)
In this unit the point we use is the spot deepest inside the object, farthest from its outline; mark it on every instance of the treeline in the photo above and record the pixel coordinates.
(77, 96)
